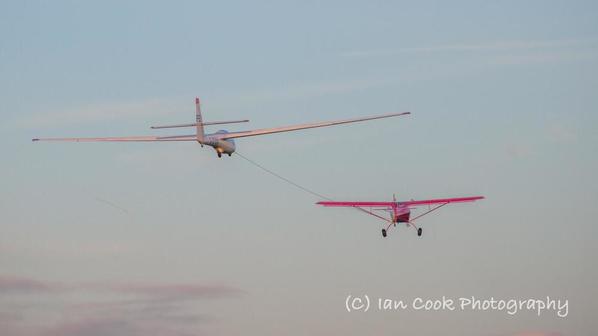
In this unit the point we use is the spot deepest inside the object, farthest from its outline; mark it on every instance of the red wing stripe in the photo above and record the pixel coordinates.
(356, 204)
(443, 200)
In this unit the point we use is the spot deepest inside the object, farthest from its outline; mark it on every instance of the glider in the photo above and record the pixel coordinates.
(400, 211)
(222, 141)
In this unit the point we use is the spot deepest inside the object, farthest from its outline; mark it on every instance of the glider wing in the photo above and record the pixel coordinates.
(124, 139)
(262, 131)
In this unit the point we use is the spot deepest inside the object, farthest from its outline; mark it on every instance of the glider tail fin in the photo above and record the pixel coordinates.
(198, 120)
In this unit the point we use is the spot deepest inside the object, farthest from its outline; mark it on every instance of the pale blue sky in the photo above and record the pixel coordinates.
(503, 96)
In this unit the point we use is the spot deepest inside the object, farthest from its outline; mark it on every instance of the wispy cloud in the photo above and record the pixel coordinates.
(501, 46)
(147, 109)
(538, 333)
(60, 248)
(557, 131)
(96, 112)
(174, 291)
(562, 133)
(12, 284)
(294, 91)
(107, 308)
(518, 150)
(111, 326)
(544, 57)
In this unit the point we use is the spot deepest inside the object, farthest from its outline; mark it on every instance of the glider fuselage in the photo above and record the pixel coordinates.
(222, 146)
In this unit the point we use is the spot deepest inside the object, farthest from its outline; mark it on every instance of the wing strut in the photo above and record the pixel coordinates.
(373, 214)
(431, 210)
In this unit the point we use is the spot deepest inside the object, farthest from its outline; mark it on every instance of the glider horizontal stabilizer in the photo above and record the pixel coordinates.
(203, 123)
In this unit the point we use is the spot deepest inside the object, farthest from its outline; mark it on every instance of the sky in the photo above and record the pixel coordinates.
(138, 238)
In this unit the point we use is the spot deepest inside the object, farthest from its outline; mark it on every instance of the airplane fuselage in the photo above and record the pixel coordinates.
(400, 214)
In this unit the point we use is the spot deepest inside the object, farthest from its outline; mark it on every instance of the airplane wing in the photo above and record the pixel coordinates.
(408, 203)
(356, 204)
(442, 201)
(124, 139)
(262, 131)
(360, 206)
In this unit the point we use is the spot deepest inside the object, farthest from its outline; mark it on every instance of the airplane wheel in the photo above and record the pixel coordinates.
(419, 232)
(383, 233)
(219, 154)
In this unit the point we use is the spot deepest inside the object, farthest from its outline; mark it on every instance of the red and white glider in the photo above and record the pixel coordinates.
(400, 212)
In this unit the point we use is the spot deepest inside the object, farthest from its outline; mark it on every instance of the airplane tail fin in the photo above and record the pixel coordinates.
(199, 122)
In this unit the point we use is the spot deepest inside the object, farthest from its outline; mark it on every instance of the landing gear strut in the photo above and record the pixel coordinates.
(419, 232)
(383, 232)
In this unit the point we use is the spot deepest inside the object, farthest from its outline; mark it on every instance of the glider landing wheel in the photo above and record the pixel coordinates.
(383, 232)
(419, 232)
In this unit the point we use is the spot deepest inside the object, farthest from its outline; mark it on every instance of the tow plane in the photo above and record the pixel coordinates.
(400, 212)
(222, 141)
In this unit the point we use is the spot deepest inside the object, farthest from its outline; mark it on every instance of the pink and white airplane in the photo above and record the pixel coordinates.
(400, 211)
(222, 141)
